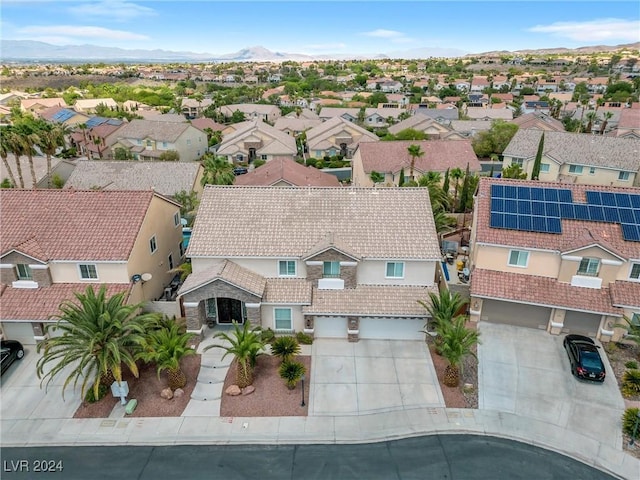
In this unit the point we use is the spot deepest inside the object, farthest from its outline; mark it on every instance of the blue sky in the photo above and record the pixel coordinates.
(314, 27)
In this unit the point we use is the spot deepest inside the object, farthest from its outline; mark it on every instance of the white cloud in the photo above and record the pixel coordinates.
(391, 35)
(325, 46)
(116, 10)
(79, 32)
(606, 29)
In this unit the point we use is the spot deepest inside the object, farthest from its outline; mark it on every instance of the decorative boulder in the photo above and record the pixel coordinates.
(167, 393)
(248, 390)
(233, 390)
(178, 393)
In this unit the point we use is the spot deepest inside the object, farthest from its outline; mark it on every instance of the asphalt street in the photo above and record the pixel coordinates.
(435, 457)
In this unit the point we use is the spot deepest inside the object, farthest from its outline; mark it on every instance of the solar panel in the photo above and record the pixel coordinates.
(497, 191)
(581, 212)
(510, 206)
(524, 193)
(511, 221)
(537, 208)
(626, 215)
(630, 232)
(623, 200)
(552, 209)
(537, 193)
(497, 205)
(554, 225)
(636, 214)
(596, 213)
(524, 222)
(539, 224)
(565, 196)
(593, 198)
(611, 214)
(566, 211)
(608, 199)
(524, 207)
(635, 201)
(510, 191)
(497, 220)
(551, 195)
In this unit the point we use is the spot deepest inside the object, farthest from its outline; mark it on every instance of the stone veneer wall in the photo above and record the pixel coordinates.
(348, 274)
(9, 275)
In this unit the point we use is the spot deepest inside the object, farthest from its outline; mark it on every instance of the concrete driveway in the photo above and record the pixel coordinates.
(526, 372)
(371, 376)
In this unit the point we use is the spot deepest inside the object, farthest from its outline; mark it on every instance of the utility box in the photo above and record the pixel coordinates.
(131, 406)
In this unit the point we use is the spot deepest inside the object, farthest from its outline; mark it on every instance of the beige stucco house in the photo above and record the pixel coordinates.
(337, 136)
(421, 123)
(252, 111)
(313, 259)
(256, 140)
(548, 266)
(577, 157)
(57, 242)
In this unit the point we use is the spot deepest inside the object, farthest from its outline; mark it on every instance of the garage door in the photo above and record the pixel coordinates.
(330, 327)
(581, 323)
(392, 328)
(517, 314)
(20, 331)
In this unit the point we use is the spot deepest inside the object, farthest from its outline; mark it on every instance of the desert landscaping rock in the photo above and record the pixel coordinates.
(248, 390)
(166, 394)
(178, 393)
(233, 390)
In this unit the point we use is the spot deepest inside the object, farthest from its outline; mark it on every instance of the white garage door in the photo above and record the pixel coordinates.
(518, 314)
(330, 327)
(20, 331)
(581, 323)
(392, 328)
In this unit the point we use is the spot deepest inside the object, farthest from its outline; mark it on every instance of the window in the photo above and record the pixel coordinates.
(544, 168)
(395, 269)
(623, 176)
(149, 144)
(589, 266)
(210, 306)
(263, 157)
(88, 272)
(164, 144)
(577, 169)
(176, 219)
(182, 249)
(282, 318)
(517, 161)
(635, 271)
(170, 261)
(592, 170)
(188, 141)
(287, 268)
(153, 246)
(518, 258)
(24, 272)
(331, 269)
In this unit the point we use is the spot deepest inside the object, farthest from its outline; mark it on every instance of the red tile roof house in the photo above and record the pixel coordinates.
(285, 172)
(391, 158)
(579, 279)
(313, 259)
(57, 242)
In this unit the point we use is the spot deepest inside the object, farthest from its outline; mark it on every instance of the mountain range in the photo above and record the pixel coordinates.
(28, 50)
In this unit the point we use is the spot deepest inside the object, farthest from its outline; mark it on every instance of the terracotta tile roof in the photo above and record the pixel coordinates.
(203, 123)
(544, 291)
(629, 118)
(288, 290)
(287, 170)
(275, 222)
(438, 156)
(41, 303)
(72, 224)
(540, 121)
(370, 300)
(229, 272)
(625, 294)
(572, 230)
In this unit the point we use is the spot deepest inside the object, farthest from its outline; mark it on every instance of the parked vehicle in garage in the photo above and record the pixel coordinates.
(584, 357)
(10, 350)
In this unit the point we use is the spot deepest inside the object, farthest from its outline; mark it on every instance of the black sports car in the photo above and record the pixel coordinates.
(584, 358)
(10, 350)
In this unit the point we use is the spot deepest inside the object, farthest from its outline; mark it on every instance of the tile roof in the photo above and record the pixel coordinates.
(290, 171)
(229, 272)
(625, 294)
(276, 222)
(166, 178)
(538, 120)
(41, 303)
(286, 144)
(371, 300)
(438, 156)
(288, 290)
(157, 130)
(493, 113)
(629, 118)
(578, 148)
(296, 124)
(71, 224)
(544, 291)
(572, 230)
(418, 121)
(335, 126)
(203, 123)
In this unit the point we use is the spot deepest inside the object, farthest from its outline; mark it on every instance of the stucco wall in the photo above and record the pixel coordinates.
(541, 263)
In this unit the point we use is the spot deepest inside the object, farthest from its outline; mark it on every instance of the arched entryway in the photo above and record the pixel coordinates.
(224, 311)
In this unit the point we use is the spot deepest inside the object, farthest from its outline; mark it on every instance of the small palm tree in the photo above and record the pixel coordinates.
(245, 344)
(457, 343)
(443, 307)
(291, 373)
(50, 138)
(456, 174)
(632, 328)
(285, 348)
(5, 149)
(217, 171)
(166, 347)
(414, 152)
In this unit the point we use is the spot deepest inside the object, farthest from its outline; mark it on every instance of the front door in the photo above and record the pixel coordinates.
(230, 310)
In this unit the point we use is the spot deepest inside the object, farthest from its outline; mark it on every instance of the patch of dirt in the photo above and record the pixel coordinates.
(271, 398)
(146, 389)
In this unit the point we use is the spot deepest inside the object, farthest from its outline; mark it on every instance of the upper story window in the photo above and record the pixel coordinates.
(24, 271)
(544, 168)
(287, 268)
(589, 266)
(624, 176)
(577, 169)
(395, 270)
(188, 141)
(149, 143)
(176, 219)
(88, 272)
(635, 271)
(331, 269)
(518, 258)
(517, 161)
(592, 170)
(153, 245)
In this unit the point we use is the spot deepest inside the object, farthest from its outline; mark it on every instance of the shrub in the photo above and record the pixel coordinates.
(258, 163)
(631, 383)
(102, 392)
(631, 364)
(629, 419)
(285, 348)
(291, 373)
(268, 335)
(304, 339)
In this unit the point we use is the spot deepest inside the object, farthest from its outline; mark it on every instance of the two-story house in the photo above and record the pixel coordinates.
(564, 258)
(256, 140)
(252, 111)
(313, 259)
(577, 157)
(337, 137)
(55, 243)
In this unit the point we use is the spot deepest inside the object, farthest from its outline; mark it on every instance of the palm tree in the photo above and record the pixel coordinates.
(414, 152)
(632, 328)
(50, 139)
(456, 174)
(442, 308)
(605, 121)
(5, 149)
(457, 342)
(245, 344)
(15, 146)
(217, 171)
(291, 373)
(285, 348)
(591, 118)
(166, 347)
(99, 334)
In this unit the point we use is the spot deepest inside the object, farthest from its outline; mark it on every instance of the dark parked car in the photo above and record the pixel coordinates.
(10, 350)
(584, 358)
(240, 171)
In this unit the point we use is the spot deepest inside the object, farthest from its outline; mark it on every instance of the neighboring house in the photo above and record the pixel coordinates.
(303, 113)
(255, 140)
(381, 117)
(192, 108)
(466, 128)
(421, 123)
(90, 105)
(39, 167)
(488, 114)
(391, 159)
(577, 157)
(349, 114)
(55, 243)
(63, 116)
(204, 123)
(540, 260)
(148, 140)
(538, 121)
(318, 260)
(252, 111)
(294, 126)
(92, 142)
(628, 124)
(166, 178)
(285, 172)
(440, 115)
(36, 105)
(337, 137)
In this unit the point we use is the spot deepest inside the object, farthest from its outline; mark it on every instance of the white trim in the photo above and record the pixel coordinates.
(155, 241)
(606, 332)
(39, 267)
(96, 262)
(500, 245)
(560, 307)
(197, 332)
(7, 265)
(191, 304)
(386, 268)
(252, 305)
(287, 275)
(23, 254)
(353, 332)
(24, 284)
(571, 258)
(348, 264)
(629, 277)
(616, 263)
(313, 263)
(556, 324)
(597, 245)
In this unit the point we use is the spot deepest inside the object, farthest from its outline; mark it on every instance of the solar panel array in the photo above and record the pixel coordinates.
(539, 209)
